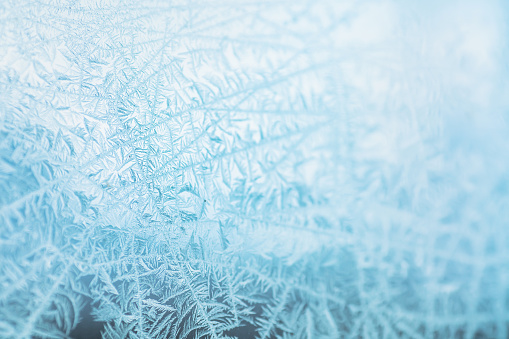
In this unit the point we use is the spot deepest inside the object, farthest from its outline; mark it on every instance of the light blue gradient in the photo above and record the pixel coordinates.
(254, 169)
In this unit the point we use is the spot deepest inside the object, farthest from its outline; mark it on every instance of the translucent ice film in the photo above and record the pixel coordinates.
(254, 169)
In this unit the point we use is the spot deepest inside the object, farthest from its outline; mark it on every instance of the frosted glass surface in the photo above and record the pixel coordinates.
(254, 169)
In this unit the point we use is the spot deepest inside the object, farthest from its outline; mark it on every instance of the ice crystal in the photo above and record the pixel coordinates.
(254, 169)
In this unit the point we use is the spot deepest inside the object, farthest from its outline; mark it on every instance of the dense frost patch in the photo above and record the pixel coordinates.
(289, 169)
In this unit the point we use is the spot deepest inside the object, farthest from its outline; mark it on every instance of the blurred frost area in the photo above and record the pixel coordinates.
(317, 169)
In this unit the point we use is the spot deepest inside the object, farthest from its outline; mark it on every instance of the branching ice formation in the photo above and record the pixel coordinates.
(254, 169)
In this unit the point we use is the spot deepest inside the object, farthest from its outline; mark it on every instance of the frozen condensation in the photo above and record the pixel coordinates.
(254, 169)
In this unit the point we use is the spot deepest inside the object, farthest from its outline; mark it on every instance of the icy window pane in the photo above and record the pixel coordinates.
(254, 169)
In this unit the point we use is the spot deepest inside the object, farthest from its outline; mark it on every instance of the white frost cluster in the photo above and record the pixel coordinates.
(254, 169)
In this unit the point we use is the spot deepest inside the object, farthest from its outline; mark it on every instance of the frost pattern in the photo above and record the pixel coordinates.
(268, 169)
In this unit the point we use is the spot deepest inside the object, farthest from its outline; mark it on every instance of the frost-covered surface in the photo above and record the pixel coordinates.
(268, 169)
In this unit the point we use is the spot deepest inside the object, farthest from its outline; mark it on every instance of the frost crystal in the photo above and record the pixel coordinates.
(254, 169)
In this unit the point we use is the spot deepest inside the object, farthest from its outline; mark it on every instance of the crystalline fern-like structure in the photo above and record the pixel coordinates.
(253, 169)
